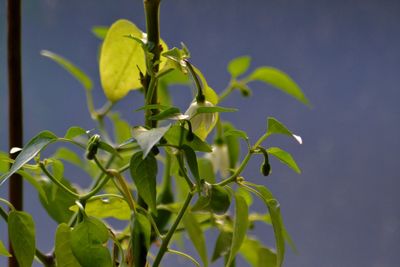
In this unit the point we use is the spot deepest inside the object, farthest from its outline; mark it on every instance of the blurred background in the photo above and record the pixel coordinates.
(343, 209)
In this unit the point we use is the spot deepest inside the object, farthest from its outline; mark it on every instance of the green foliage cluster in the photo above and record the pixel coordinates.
(201, 188)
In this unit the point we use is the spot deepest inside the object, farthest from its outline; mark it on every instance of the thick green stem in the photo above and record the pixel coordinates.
(167, 239)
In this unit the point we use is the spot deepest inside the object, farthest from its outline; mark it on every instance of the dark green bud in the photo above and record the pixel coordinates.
(92, 146)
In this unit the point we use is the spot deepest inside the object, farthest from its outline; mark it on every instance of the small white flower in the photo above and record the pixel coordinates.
(202, 123)
(219, 158)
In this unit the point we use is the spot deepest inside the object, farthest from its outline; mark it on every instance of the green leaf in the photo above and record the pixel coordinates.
(279, 80)
(100, 31)
(146, 139)
(209, 93)
(191, 160)
(122, 129)
(34, 182)
(284, 157)
(71, 68)
(276, 127)
(107, 207)
(144, 173)
(31, 149)
(74, 131)
(170, 113)
(238, 66)
(120, 59)
(21, 231)
(4, 251)
(196, 236)
(214, 109)
(249, 251)
(87, 240)
(266, 257)
(140, 236)
(240, 226)
(236, 133)
(222, 245)
(106, 147)
(206, 171)
(216, 199)
(232, 143)
(173, 137)
(63, 251)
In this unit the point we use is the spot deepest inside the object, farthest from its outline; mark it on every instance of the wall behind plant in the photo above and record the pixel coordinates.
(343, 210)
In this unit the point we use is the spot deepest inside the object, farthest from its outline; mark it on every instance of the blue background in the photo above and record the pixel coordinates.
(343, 210)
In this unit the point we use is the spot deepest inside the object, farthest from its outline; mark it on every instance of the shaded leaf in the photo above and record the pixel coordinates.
(222, 245)
(146, 139)
(63, 251)
(191, 160)
(276, 127)
(238, 66)
(141, 232)
(173, 137)
(71, 68)
(196, 236)
(284, 157)
(21, 231)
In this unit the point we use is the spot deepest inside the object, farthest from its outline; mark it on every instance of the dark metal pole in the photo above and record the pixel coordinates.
(14, 100)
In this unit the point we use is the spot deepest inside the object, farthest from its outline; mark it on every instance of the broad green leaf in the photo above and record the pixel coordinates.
(216, 199)
(100, 31)
(240, 226)
(74, 131)
(238, 66)
(107, 207)
(62, 250)
(170, 113)
(276, 127)
(266, 257)
(191, 160)
(122, 129)
(146, 139)
(21, 231)
(3, 250)
(279, 80)
(87, 243)
(141, 234)
(215, 109)
(284, 157)
(120, 59)
(222, 245)
(71, 68)
(31, 149)
(144, 173)
(173, 137)
(196, 235)
(206, 170)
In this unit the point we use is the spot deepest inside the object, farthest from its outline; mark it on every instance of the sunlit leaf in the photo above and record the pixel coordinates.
(284, 157)
(238, 66)
(21, 231)
(215, 109)
(107, 207)
(71, 68)
(74, 131)
(100, 31)
(276, 127)
(3, 250)
(62, 249)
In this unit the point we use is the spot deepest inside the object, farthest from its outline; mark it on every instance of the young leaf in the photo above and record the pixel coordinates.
(222, 245)
(240, 226)
(107, 207)
(276, 127)
(62, 250)
(148, 138)
(31, 149)
(87, 239)
(74, 131)
(120, 59)
(279, 80)
(71, 68)
(173, 137)
(196, 236)
(284, 157)
(191, 160)
(4, 251)
(100, 31)
(238, 66)
(21, 231)
(144, 174)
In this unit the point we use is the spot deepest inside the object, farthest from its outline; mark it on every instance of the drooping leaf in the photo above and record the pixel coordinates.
(196, 236)
(107, 207)
(62, 249)
(191, 160)
(21, 231)
(238, 66)
(74, 131)
(100, 31)
(276, 127)
(141, 235)
(87, 239)
(3, 250)
(249, 251)
(240, 226)
(146, 139)
(120, 60)
(144, 173)
(232, 143)
(222, 245)
(78, 74)
(279, 80)
(266, 257)
(284, 157)
(173, 137)
(31, 149)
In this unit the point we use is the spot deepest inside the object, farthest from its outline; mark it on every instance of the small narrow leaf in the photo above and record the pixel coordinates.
(30, 150)
(146, 139)
(191, 160)
(62, 250)
(21, 231)
(276, 127)
(100, 31)
(222, 245)
(240, 226)
(144, 173)
(74, 131)
(238, 66)
(232, 143)
(279, 80)
(196, 236)
(3, 250)
(71, 68)
(169, 113)
(284, 157)
(141, 234)
(214, 109)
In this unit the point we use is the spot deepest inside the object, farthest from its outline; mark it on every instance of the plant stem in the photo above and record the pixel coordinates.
(14, 102)
(167, 239)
